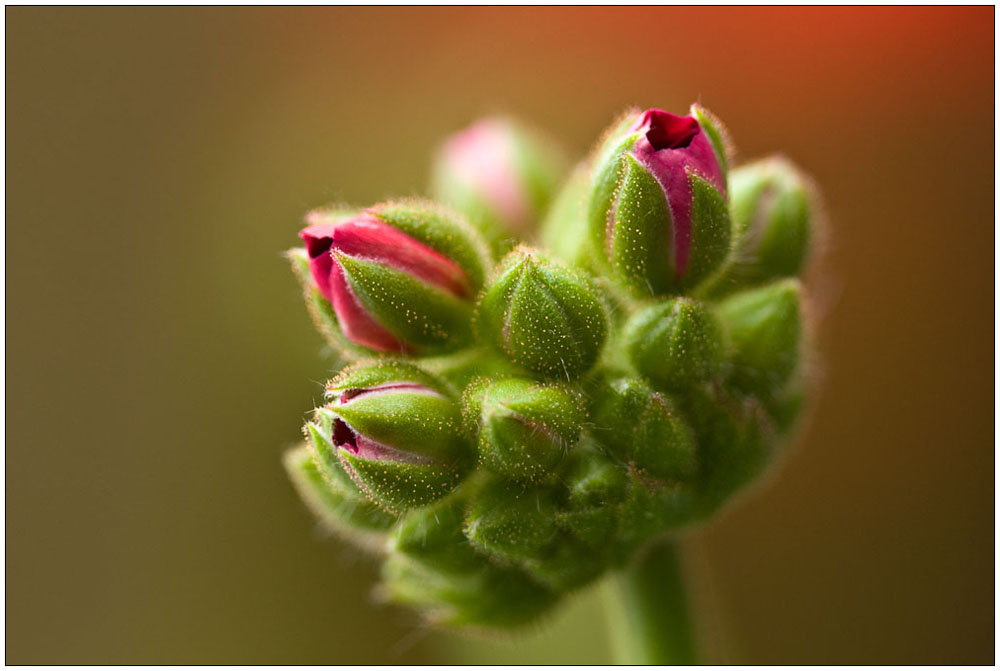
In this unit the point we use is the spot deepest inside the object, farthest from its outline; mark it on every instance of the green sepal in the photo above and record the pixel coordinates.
(418, 314)
(765, 330)
(433, 535)
(487, 597)
(320, 310)
(786, 406)
(373, 373)
(399, 486)
(711, 233)
(320, 435)
(354, 519)
(543, 316)
(595, 487)
(523, 428)
(736, 441)
(568, 565)
(564, 229)
(773, 212)
(652, 508)
(675, 343)
(441, 229)
(640, 241)
(419, 423)
(716, 133)
(645, 428)
(511, 523)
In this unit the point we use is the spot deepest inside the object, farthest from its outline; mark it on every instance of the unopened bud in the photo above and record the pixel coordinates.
(511, 523)
(523, 428)
(397, 432)
(675, 343)
(644, 427)
(543, 316)
(773, 208)
(398, 277)
(765, 328)
(658, 213)
(500, 175)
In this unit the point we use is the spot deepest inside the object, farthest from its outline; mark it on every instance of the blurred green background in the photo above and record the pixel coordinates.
(159, 359)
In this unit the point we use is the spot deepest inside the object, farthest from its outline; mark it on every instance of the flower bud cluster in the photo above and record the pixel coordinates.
(516, 420)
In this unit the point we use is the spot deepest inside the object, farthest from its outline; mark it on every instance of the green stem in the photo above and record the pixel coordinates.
(649, 618)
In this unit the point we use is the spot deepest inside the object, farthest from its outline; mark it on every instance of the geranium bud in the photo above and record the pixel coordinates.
(675, 343)
(339, 509)
(510, 522)
(498, 174)
(523, 428)
(433, 535)
(488, 596)
(765, 327)
(772, 208)
(399, 277)
(397, 433)
(564, 229)
(543, 316)
(658, 213)
(596, 486)
(567, 564)
(736, 443)
(645, 428)
(653, 507)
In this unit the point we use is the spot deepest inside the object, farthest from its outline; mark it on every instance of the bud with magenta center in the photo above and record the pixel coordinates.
(398, 277)
(658, 213)
(397, 432)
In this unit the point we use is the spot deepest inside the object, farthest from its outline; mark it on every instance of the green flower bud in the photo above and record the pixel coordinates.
(353, 518)
(567, 565)
(765, 328)
(676, 343)
(643, 427)
(523, 428)
(596, 487)
(564, 229)
(511, 523)
(397, 432)
(652, 508)
(398, 277)
(772, 208)
(499, 174)
(543, 316)
(433, 535)
(657, 213)
(736, 440)
(489, 596)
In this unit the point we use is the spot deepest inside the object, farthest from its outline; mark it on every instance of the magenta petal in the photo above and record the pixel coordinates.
(319, 239)
(355, 322)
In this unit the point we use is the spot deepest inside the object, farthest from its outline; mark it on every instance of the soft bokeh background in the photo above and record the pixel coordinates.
(159, 359)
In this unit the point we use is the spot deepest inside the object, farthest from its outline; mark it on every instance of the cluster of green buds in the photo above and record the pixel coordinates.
(542, 379)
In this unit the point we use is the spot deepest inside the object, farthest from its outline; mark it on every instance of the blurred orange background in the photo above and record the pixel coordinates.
(160, 359)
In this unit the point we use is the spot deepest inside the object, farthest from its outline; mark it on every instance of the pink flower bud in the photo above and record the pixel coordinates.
(658, 210)
(369, 244)
(672, 148)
